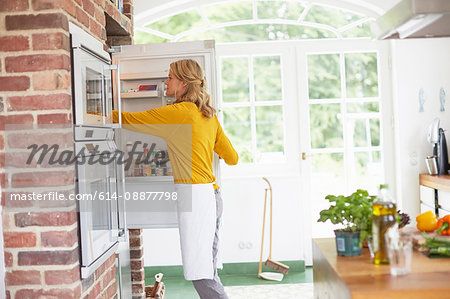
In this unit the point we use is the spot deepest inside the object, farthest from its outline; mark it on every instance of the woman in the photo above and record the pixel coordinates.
(191, 119)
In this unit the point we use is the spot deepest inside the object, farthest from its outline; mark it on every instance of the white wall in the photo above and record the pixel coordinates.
(417, 63)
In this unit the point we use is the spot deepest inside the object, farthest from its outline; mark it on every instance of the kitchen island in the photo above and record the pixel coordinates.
(357, 277)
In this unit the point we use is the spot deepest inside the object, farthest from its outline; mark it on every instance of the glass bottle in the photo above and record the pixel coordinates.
(384, 216)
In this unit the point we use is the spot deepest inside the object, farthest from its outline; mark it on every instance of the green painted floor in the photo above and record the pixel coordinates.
(178, 288)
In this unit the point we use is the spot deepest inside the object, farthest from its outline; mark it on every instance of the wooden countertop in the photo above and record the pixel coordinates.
(357, 277)
(439, 182)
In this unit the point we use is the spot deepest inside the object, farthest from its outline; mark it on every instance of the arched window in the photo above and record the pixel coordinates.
(246, 21)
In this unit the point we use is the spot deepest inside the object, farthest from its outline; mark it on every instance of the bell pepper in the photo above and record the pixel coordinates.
(443, 225)
(426, 222)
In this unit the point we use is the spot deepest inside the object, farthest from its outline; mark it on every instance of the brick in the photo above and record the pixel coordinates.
(39, 21)
(137, 276)
(135, 242)
(19, 160)
(8, 259)
(51, 81)
(100, 16)
(70, 7)
(24, 140)
(19, 239)
(58, 277)
(51, 41)
(100, 3)
(50, 294)
(82, 17)
(54, 118)
(111, 291)
(2, 142)
(45, 219)
(39, 62)
(109, 276)
(8, 295)
(11, 200)
(137, 288)
(135, 232)
(109, 8)
(59, 238)
(17, 119)
(2, 105)
(42, 179)
(16, 83)
(41, 258)
(40, 102)
(14, 43)
(3, 180)
(89, 7)
(95, 291)
(16, 278)
(105, 266)
(137, 265)
(96, 29)
(16, 5)
(87, 283)
(136, 253)
(127, 8)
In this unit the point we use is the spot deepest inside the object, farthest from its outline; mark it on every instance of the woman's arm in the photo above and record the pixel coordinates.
(224, 148)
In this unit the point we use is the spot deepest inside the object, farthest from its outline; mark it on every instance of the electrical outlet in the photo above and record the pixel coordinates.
(249, 245)
(242, 245)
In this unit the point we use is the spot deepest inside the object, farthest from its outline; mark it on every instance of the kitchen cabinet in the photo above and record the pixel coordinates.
(435, 194)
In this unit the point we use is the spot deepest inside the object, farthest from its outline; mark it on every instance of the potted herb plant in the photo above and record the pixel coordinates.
(355, 213)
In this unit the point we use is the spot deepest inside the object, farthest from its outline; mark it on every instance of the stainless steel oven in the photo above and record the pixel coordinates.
(100, 178)
(97, 195)
(92, 82)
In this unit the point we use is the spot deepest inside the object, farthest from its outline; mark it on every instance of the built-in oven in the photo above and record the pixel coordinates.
(92, 83)
(98, 196)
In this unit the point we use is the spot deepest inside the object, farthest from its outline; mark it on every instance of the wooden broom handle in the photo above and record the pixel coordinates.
(262, 239)
(270, 243)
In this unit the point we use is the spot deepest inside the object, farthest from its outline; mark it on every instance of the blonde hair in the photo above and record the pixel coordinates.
(190, 72)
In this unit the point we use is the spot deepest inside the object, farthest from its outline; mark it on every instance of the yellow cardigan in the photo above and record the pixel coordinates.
(191, 139)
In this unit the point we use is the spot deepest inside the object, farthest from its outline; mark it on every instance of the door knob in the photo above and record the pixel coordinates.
(304, 156)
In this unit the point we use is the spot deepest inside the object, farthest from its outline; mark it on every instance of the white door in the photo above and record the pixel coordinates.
(333, 126)
(345, 108)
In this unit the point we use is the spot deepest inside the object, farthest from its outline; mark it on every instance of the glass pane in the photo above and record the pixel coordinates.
(267, 88)
(362, 75)
(260, 32)
(269, 130)
(376, 156)
(330, 16)
(279, 10)
(362, 30)
(235, 84)
(324, 77)
(327, 168)
(147, 38)
(375, 131)
(363, 107)
(368, 172)
(179, 23)
(238, 129)
(359, 132)
(234, 11)
(326, 125)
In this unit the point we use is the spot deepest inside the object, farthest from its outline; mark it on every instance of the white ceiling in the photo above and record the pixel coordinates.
(147, 11)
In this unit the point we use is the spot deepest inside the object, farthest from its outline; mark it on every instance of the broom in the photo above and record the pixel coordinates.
(277, 266)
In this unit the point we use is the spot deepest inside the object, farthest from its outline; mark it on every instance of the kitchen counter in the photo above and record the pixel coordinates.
(439, 182)
(357, 277)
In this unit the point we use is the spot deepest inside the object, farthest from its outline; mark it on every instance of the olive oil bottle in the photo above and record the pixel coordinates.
(384, 216)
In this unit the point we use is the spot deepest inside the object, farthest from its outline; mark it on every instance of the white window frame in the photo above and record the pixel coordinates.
(252, 103)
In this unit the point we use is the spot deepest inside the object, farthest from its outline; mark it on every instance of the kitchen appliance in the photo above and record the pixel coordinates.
(414, 19)
(100, 185)
(436, 137)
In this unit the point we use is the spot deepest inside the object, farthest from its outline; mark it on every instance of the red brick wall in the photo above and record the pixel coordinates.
(41, 240)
